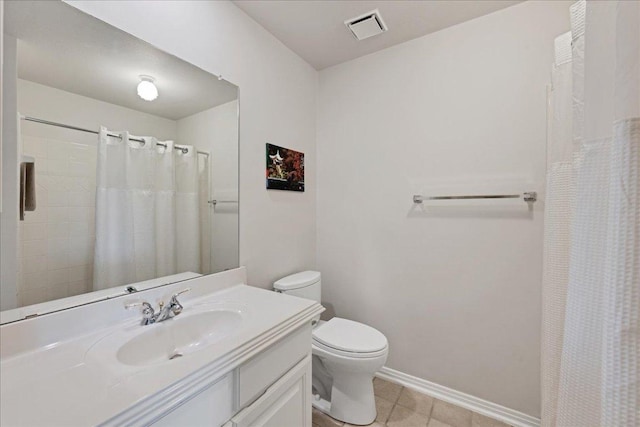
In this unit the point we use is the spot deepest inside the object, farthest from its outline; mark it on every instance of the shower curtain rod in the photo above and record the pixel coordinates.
(111, 134)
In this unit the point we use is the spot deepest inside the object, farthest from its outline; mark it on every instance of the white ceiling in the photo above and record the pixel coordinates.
(61, 47)
(315, 30)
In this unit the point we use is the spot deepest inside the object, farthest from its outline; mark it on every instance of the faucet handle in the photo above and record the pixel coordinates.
(147, 311)
(146, 307)
(181, 292)
(137, 304)
(176, 307)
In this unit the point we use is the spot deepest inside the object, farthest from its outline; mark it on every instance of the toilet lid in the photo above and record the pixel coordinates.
(349, 336)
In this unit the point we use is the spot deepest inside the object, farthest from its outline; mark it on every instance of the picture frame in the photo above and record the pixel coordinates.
(285, 168)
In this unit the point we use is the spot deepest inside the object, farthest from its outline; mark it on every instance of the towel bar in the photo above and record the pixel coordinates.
(215, 202)
(529, 197)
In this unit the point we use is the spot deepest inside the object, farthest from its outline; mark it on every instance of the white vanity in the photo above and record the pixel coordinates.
(235, 356)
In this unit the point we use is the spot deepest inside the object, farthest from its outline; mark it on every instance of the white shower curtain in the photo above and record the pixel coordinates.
(147, 219)
(591, 289)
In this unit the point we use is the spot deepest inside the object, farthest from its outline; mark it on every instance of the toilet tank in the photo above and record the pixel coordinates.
(304, 285)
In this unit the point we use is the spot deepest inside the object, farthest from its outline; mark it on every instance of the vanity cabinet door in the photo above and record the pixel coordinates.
(211, 407)
(287, 403)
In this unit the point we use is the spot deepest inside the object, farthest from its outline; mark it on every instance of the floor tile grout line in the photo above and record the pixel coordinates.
(398, 396)
(433, 403)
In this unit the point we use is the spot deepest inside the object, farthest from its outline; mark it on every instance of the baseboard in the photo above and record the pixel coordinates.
(475, 404)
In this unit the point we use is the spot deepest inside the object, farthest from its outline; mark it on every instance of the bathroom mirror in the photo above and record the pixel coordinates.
(121, 172)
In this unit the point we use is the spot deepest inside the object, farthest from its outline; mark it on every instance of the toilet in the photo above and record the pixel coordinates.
(346, 356)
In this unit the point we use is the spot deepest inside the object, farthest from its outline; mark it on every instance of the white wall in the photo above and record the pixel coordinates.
(57, 239)
(216, 131)
(277, 105)
(456, 290)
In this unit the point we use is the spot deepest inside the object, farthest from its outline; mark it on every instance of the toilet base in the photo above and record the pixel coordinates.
(321, 405)
(352, 399)
(325, 407)
(346, 384)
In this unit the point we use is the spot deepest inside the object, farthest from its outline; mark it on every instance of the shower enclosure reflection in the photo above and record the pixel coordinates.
(119, 187)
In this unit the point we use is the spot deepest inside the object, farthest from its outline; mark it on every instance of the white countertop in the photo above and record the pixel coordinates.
(76, 380)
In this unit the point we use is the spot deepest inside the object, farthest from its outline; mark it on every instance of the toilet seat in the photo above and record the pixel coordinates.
(350, 339)
(320, 348)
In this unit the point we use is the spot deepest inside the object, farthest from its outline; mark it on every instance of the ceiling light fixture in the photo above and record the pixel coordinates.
(146, 89)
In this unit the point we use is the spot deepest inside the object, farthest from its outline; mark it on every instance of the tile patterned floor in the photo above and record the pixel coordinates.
(399, 406)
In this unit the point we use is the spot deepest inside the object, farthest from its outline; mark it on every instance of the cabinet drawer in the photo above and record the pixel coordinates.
(209, 408)
(286, 403)
(263, 370)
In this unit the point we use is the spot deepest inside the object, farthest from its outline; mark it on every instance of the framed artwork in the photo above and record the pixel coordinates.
(285, 169)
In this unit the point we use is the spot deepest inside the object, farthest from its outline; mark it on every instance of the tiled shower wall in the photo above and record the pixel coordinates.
(57, 239)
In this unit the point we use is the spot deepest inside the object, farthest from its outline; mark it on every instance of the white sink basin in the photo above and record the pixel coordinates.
(177, 337)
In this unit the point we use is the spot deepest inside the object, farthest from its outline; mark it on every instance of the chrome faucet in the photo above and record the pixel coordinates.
(166, 311)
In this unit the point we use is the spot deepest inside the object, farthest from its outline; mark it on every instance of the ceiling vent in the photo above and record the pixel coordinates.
(368, 25)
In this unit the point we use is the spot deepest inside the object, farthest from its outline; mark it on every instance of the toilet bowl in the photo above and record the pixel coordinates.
(346, 356)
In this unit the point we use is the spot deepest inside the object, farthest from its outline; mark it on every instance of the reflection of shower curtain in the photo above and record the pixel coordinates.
(147, 220)
(591, 289)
